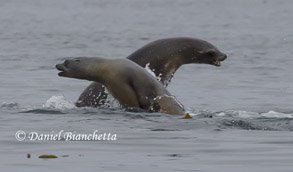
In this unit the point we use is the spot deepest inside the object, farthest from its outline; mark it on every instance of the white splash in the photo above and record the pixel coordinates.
(273, 114)
(152, 72)
(247, 114)
(9, 105)
(111, 102)
(147, 67)
(58, 102)
(240, 114)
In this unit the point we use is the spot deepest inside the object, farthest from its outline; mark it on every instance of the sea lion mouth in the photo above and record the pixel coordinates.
(216, 63)
(62, 68)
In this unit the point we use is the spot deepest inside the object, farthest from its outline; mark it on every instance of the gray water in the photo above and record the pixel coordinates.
(242, 111)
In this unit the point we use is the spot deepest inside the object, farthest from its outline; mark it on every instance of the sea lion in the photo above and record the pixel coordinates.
(128, 82)
(163, 57)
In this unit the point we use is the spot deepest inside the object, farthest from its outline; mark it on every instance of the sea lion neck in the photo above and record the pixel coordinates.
(94, 68)
(168, 70)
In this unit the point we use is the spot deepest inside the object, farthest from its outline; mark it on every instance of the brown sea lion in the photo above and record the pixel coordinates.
(128, 82)
(163, 57)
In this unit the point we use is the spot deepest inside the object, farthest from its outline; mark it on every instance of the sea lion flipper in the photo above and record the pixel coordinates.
(142, 100)
(170, 105)
(130, 98)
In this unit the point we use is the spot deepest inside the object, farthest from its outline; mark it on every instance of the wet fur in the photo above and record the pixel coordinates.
(164, 57)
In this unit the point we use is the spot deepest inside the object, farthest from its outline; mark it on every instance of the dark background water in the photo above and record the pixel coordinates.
(251, 93)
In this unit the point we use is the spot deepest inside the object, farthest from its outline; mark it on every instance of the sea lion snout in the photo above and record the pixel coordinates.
(67, 64)
(62, 68)
(217, 61)
(223, 57)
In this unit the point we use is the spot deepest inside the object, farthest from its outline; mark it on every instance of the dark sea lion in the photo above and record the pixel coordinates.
(163, 57)
(128, 82)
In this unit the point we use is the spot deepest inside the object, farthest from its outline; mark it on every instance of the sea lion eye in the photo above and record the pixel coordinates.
(211, 53)
(66, 62)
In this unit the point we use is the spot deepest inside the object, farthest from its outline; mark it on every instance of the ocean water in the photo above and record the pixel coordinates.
(242, 112)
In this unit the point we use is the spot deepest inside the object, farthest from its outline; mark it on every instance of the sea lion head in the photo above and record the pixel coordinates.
(211, 56)
(80, 68)
(205, 52)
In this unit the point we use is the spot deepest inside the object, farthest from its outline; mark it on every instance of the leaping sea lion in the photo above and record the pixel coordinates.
(129, 83)
(163, 57)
